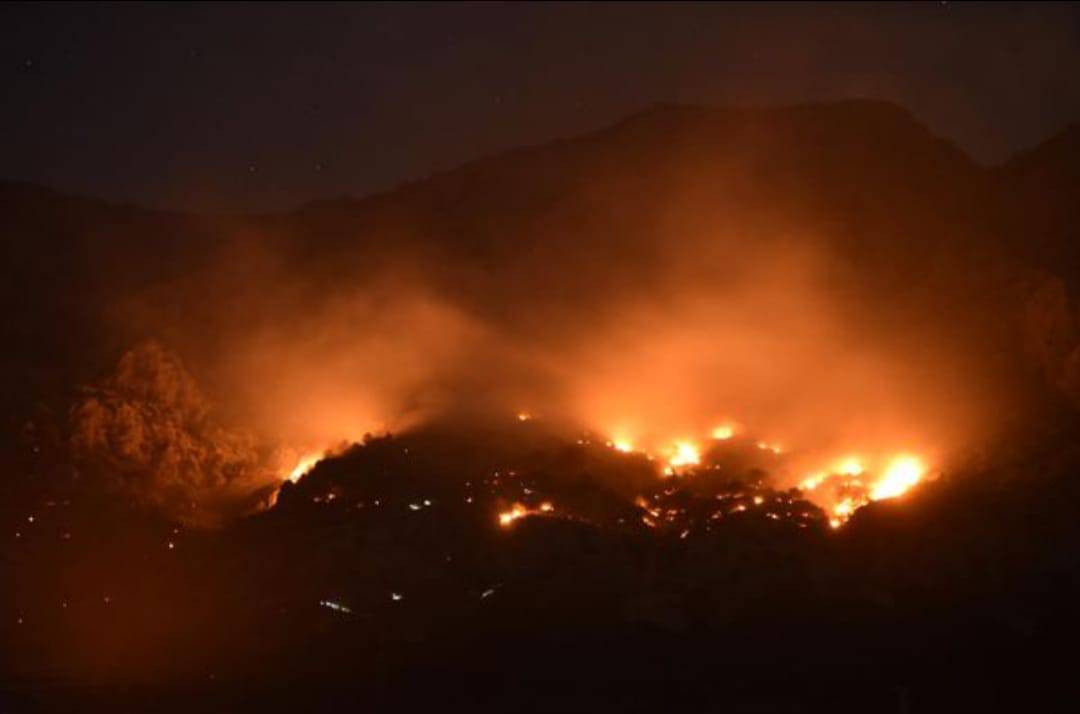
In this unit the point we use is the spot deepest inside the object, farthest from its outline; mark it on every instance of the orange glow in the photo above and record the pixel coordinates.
(850, 466)
(715, 324)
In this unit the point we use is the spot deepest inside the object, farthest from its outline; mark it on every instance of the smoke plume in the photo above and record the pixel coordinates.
(620, 284)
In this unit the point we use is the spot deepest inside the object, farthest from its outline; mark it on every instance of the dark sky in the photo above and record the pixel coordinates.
(238, 107)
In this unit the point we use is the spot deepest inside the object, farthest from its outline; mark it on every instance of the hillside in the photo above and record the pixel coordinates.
(605, 421)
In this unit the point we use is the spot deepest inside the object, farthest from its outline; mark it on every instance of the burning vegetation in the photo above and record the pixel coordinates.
(635, 384)
(381, 360)
(697, 302)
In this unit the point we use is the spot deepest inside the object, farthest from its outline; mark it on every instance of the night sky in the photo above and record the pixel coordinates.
(243, 107)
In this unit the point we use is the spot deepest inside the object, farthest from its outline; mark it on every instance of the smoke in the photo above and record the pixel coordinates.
(777, 355)
(776, 346)
(639, 306)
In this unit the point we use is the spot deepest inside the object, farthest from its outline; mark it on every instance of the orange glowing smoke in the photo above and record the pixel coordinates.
(851, 466)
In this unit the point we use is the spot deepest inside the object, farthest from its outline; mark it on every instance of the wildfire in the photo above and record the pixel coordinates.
(304, 465)
(518, 511)
(845, 485)
(901, 474)
(683, 453)
(852, 485)
(813, 481)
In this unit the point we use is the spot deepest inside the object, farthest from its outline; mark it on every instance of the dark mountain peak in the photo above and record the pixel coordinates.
(25, 198)
(848, 109)
(790, 139)
(856, 116)
(1055, 160)
(1041, 189)
(21, 193)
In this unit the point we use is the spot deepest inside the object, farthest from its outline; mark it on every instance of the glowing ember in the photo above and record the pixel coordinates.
(524, 416)
(508, 517)
(623, 445)
(901, 474)
(335, 606)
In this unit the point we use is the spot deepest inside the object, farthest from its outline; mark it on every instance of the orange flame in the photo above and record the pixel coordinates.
(303, 465)
(519, 511)
(899, 476)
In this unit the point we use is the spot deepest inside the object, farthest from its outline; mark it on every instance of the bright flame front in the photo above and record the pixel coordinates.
(901, 474)
(305, 464)
(519, 511)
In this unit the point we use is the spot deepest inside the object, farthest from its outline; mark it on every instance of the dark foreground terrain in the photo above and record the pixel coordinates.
(384, 579)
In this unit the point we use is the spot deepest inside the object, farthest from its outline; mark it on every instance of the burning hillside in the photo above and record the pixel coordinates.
(147, 432)
(647, 300)
(692, 385)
